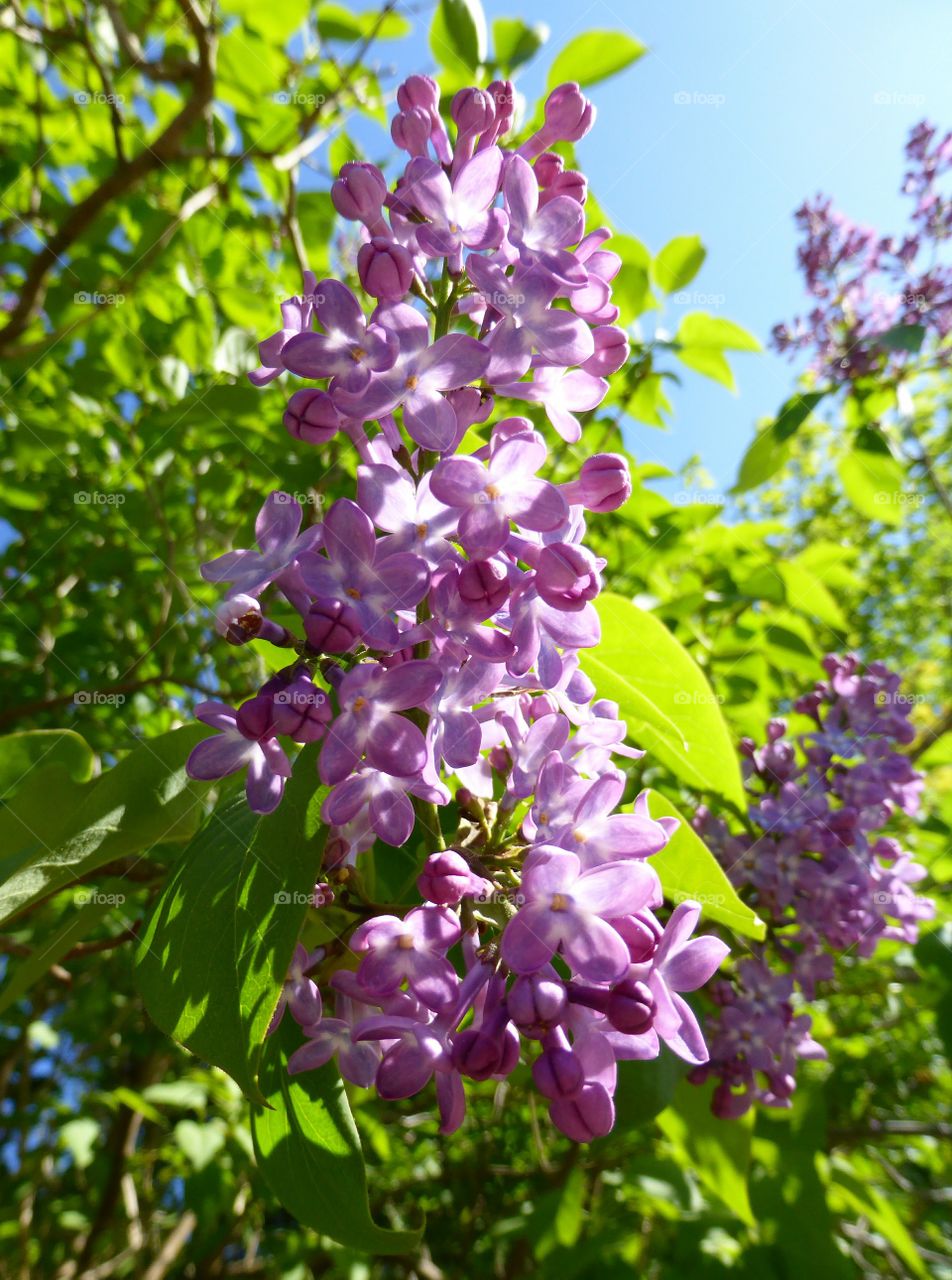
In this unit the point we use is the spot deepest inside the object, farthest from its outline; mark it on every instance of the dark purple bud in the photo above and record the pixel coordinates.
(385, 269)
(239, 619)
(558, 1074)
(473, 111)
(312, 416)
(484, 587)
(479, 1052)
(359, 192)
(567, 576)
(568, 113)
(323, 895)
(446, 879)
(331, 626)
(631, 1007)
(642, 933)
(537, 1003)
(255, 718)
(547, 168)
(611, 351)
(302, 710)
(604, 483)
(589, 1115)
(419, 91)
(410, 131)
(569, 183)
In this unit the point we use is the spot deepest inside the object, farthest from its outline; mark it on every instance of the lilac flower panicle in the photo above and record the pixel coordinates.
(817, 869)
(443, 608)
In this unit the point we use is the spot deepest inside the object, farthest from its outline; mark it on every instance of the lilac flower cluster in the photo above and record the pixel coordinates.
(441, 618)
(866, 285)
(819, 869)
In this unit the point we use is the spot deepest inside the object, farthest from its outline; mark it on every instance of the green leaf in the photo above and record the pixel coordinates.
(308, 1151)
(458, 34)
(689, 870)
(515, 42)
(866, 1200)
(874, 483)
(807, 594)
(678, 263)
(699, 329)
(81, 1138)
(903, 337)
(594, 56)
(201, 1143)
(22, 752)
(215, 951)
(334, 22)
(665, 698)
(718, 1151)
(570, 1215)
(770, 449)
(144, 800)
(646, 1088)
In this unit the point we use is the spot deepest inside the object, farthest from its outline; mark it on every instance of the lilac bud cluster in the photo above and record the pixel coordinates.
(866, 285)
(818, 867)
(441, 617)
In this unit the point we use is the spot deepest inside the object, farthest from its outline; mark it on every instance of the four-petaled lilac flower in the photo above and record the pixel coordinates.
(459, 213)
(527, 321)
(562, 393)
(507, 489)
(349, 350)
(277, 529)
(368, 724)
(246, 740)
(682, 963)
(567, 910)
(373, 585)
(542, 235)
(422, 372)
(411, 950)
(296, 315)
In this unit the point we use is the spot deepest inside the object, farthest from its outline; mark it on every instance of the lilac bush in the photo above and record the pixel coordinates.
(819, 868)
(869, 289)
(441, 618)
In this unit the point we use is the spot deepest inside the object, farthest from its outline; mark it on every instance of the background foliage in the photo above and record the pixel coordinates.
(165, 170)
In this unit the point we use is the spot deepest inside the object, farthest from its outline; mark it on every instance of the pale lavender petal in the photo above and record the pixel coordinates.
(529, 939)
(430, 419)
(477, 183)
(219, 756)
(452, 361)
(593, 949)
(409, 685)
(692, 965)
(616, 888)
(549, 870)
(456, 481)
(396, 746)
(538, 505)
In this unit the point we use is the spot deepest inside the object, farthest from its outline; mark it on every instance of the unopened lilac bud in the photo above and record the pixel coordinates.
(478, 1052)
(568, 113)
(312, 416)
(473, 110)
(558, 1074)
(239, 619)
(587, 1116)
(323, 895)
(331, 626)
(446, 879)
(358, 194)
(302, 710)
(631, 1007)
(642, 932)
(611, 351)
(385, 269)
(537, 1003)
(547, 168)
(567, 576)
(410, 131)
(503, 93)
(604, 483)
(419, 91)
(569, 183)
(255, 718)
(484, 587)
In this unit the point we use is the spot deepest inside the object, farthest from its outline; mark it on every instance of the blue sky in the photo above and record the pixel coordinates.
(786, 99)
